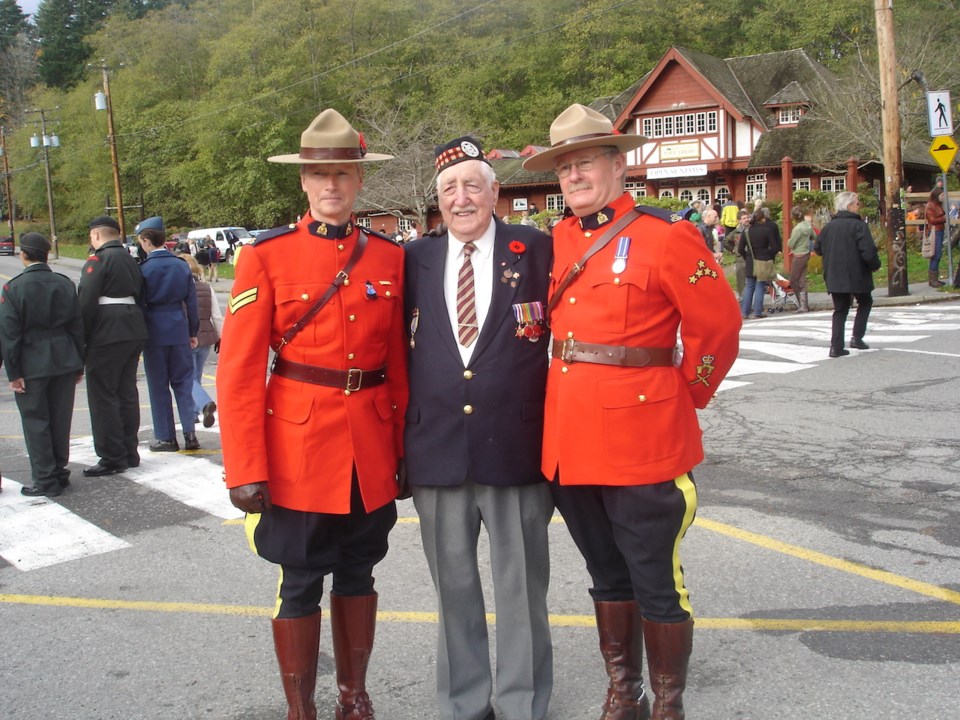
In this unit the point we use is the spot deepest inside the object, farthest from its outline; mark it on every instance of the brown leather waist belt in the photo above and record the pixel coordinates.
(571, 351)
(353, 379)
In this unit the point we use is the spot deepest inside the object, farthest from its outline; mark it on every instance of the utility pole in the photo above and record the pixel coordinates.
(112, 137)
(6, 181)
(897, 281)
(46, 141)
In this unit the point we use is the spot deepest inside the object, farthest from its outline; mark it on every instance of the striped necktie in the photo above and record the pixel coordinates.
(466, 300)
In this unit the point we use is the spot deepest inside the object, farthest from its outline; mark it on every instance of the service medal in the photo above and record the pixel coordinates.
(623, 251)
(414, 324)
(529, 318)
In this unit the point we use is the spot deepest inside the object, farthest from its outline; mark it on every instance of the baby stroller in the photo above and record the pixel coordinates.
(780, 294)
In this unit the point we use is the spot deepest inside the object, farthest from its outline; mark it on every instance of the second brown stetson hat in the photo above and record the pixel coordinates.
(330, 139)
(580, 127)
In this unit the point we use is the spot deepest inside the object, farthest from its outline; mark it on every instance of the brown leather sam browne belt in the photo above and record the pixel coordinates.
(571, 351)
(353, 379)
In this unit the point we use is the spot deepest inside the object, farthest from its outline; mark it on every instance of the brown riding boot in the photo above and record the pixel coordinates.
(804, 301)
(932, 276)
(354, 620)
(668, 652)
(621, 645)
(297, 641)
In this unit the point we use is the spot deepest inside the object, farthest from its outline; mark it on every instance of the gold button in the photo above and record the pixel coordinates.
(564, 369)
(387, 293)
(269, 411)
(616, 281)
(304, 297)
(468, 374)
(350, 356)
(346, 282)
(339, 246)
(346, 392)
(468, 409)
(573, 301)
(642, 398)
(570, 335)
(352, 318)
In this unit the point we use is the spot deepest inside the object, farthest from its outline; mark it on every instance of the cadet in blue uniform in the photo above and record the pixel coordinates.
(42, 339)
(167, 359)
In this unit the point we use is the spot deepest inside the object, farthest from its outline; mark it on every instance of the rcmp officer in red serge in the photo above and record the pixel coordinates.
(475, 297)
(621, 433)
(311, 455)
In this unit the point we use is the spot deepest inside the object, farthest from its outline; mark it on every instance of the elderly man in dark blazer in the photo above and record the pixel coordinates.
(475, 299)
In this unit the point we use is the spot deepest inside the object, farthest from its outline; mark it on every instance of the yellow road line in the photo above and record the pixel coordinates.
(881, 576)
(585, 621)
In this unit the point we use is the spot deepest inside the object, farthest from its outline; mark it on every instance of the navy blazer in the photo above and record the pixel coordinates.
(483, 422)
(169, 299)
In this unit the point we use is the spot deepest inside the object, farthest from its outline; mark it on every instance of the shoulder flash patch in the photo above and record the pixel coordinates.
(374, 233)
(670, 216)
(276, 232)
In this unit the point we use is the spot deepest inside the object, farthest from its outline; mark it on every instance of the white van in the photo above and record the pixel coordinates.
(219, 235)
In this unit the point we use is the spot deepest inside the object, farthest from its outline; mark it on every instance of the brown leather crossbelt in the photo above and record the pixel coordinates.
(353, 379)
(571, 351)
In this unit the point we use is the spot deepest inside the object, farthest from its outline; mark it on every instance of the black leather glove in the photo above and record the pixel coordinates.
(403, 487)
(216, 347)
(252, 498)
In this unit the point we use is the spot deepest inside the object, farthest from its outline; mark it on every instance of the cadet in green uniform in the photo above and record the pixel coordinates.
(114, 330)
(42, 339)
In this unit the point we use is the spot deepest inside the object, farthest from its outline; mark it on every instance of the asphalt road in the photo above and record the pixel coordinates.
(824, 565)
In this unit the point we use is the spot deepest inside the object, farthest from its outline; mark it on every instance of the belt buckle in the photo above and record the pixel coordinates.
(567, 350)
(354, 379)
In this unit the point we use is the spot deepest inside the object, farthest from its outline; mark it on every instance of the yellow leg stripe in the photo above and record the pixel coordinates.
(276, 608)
(684, 485)
(250, 522)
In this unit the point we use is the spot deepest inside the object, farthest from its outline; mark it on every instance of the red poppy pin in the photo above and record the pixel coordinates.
(518, 247)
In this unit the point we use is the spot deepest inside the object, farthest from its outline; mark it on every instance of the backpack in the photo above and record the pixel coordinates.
(203, 256)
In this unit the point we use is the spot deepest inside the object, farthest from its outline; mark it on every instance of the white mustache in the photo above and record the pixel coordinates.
(580, 186)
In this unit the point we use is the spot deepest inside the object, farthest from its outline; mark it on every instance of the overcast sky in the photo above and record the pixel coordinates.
(28, 6)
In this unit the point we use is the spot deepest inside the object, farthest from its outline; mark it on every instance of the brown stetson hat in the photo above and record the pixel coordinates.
(580, 127)
(330, 139)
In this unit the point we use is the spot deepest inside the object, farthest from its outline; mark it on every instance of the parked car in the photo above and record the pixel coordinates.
(6, 245)
(219, 235)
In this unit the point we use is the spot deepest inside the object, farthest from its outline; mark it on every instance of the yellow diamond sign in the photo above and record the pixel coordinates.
(943, 150)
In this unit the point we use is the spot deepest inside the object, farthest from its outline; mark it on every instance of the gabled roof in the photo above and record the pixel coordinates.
(722, 77)
(510, 172)
(790, 95)
(613, 105)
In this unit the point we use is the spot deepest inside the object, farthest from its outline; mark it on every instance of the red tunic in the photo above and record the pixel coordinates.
(607, 425)
(304, 439)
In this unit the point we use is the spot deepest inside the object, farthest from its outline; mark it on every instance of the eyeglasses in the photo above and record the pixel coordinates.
(583, 165)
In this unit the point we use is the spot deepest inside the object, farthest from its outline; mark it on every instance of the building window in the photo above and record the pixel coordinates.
(703, 195)
(701, 123)
(756, 186)
(790, 115)
(837, 183)
(363, 222)
(658, 127)
(691, 125)
(637, 189)
(801, 184)
(647, 127)
(723, 194)
(555, 202)
(668, 126)
(678, 125)
(711, 121)
(666, 193)
(403, 224)
(686, 195)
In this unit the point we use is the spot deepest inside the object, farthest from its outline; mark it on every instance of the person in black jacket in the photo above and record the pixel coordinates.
(849, 259)
(761, 241)
(42, 339)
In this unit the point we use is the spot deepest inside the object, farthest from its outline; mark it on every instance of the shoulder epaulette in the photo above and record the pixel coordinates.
(276, 232)
(374, 233)
(670, 216)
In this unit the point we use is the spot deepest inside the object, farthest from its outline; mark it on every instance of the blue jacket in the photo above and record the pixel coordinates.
(169, 299)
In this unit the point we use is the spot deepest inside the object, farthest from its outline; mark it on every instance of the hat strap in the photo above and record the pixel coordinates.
(331, 153)
(580, 138)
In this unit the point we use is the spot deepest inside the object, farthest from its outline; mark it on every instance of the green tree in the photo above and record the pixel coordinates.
(13, 21)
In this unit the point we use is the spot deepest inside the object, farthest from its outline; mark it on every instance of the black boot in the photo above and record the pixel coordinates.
(190, 441)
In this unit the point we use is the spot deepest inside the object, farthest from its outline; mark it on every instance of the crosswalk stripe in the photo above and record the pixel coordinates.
(36, 532)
